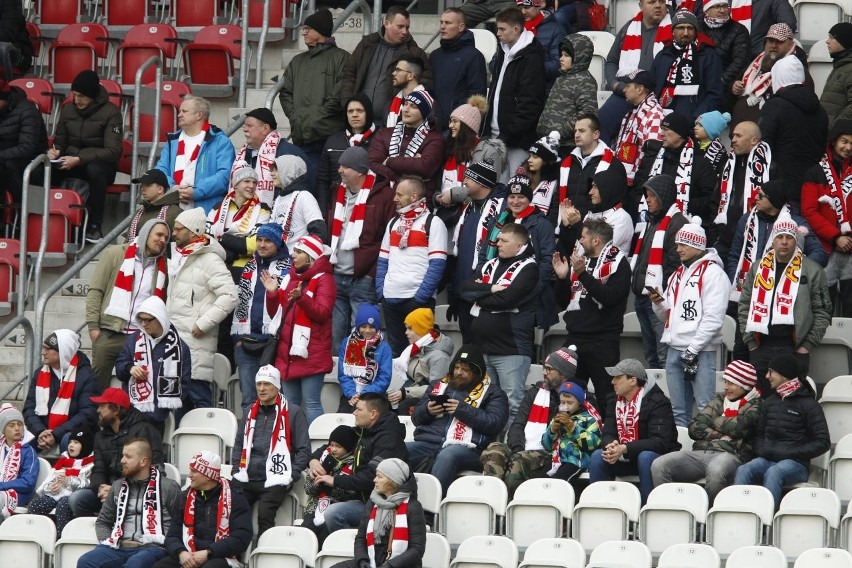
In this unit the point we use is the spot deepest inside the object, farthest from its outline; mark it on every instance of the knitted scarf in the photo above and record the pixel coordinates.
(627, 416)
(756, 83)
(400, 364)
(607, 263)
(61, 406)
(244, 219)
(532, 25)
(504, 219)
(642, 124)
(358, 139)
(152, 507)
(458, 432)
(121, 300)
(654, 271)
(167, 383)
(359, 360)
(223, 520)
(771, 300)
(838, 192)
(453, 174)
(72, 467)
(741, 12)
(565, 167)
(631, 47)
(749, 253)
(134, 224)
(246, 287)
(279, 470)
(355, 222)
(731, 408)
(195, 245)
(537, 420)
(683, 177)
(302, 322)
(397, 537)
(786, 389)
(543, 194)
(683, 76)
(265, 159)
(757, 173)
(505, 279)
(413, 146)
(11, 469)
(485, 220)
(407, 216)
(182, 161)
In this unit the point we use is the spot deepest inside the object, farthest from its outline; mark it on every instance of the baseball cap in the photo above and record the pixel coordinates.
(629, 367)
(112, 395)
(152, 176)
(640, 77)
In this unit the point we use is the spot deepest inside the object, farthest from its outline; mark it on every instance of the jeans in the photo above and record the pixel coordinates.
(393, 316)
(313, 151)
(307, 393)
(772, 475)
(351, 293)
(510, 373)
(681, 391)
(104, 556)
(611, 114)
(599, 470)
(84, 503)
(718, 469)
(345, 515)
(652, 331)
(449, 461)
(247, 366)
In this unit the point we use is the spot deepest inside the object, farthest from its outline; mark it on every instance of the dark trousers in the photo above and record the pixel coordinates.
(740, 350)
(268, 500)
(768, 350)
(99, 176)
(169, 562)
(592, 358)
(394, 315)
(11, 177)
(465, 321)
(841, 294)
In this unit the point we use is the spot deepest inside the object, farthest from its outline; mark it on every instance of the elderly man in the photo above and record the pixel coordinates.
(210, 504)
(137, 514)
(157, 200)
(197, 158)
(22, 136)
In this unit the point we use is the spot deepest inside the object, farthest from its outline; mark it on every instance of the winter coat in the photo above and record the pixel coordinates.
(657, 430)
(795, 126)
(764, 13)
(427, 165)
(206, 513)
(258, 300)
(201, 293)
(820, 215)
(25, 483)
(416, 523)
(710, 426)
(93, 134)
(487, 419)
(580, 177)
(170, 507)
(381, 379)
(310, 96)
(458, 70)
(549, 33)
(575, 448)
(601, 313)
(109, 446)
(522, 92)
(543, 245)
(154, 210)
(516, 438)
(327, 177)
(318, 309)
(733, 46)
(213, 169)
(300, 442)
(573, 93)
(709, 72)
(22, 132)
(430, 365)
(836, 98)
(13, 29)
(792, 428)
(82, 414)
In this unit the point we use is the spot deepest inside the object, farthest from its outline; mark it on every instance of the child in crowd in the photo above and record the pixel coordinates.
(71, 471)
(365, 362)
(18, 462)
(708, 127)
(574, 433)
(336, 459)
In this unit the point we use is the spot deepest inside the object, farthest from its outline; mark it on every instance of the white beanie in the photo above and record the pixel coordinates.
(269, 374)
(193, 219)
(692, 234)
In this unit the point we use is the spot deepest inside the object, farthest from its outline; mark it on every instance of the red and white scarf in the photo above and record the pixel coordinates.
(324, 492)
(757, 83)
(771, 300)
(741, 12)
(165, 388)
(458, 432)
(839, 189)
(453, 174)
(757, 173)
(11, 469)
(223, 520)
(654, 271)
(786, 389)
(134, 225)
(265, 160)
(487, 216)
(397, 538)
(683, 177)
(243, 220)
(731, 408)
(642, 124)
(627, 416)
(505, 279)
(607, 263)
(246, 286)
(682, 78)
(749, 253)
(61, 407)
(538, 420)
(279, 469)
(359, 358)
(565, 168)
(631, 47)
(355, 223)
(121, 300)
(302, 322)
(543, 195)
(406, 218)
(400, 364)
(73, 467)
(152, 508)
(685, 285)
(182, 161)
(360, 138)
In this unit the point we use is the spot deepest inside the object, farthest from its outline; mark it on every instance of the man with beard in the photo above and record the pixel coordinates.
(138, 511)
(732, 42)
(405, 79)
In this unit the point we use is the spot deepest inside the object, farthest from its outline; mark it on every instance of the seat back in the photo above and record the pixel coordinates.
(27, 539)
(602, 43)
(815, 17)
(320, 429)
(630, 344)
(339, 546)
(824, 558)
(438, 551)
(78, 538)
(689, 555)
(620, 553)
(539, 509)
(672, 515)
(756, 557)
(39, 91)
(10, 250)
(276, 13)
(564, 552)
(222, 34)
(487, 549)
(409, 427)
(429, 493)
(194, 13)
(131, 57)
(91, 33)
(278, 543)
(125, 12)
(159, 35)
(220, 419)
(840, 469)
(485, 42)
(604, 513)
(806, 519)
(67, 60)
(472, 506)
(738, 517)
(59, 12)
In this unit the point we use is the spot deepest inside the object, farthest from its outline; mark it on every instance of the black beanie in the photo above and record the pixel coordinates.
(681, 124)
(345, 436)
(87, 83)
(840, 127)
(842, 32)
(87, 441)
(321, 22)
(785, 365)
(471, 355)
(776, 193)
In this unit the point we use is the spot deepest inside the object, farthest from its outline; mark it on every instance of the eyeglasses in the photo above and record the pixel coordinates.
(144, 320)
(399, 70)
(548, 368)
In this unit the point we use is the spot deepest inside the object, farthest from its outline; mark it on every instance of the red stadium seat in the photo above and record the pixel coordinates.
(78, 47)
(125, 13)
(193, 13)
(209, 60)
(10, 251)
(59, 12)
(65, 223)
(39, 91)
(171, 97)
(125, 166)
(140, 43)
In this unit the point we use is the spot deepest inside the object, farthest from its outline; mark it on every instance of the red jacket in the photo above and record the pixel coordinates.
(820, 215)
(318, 309)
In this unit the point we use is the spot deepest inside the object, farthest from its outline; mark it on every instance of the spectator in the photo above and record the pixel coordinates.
(826, 206)
(693, 309)
(786, 441)
(57, 401)
(197, 157)
(732, 42)
(457, 418)
(549, 32)
(310, 95)
(574, 93)
(22, 133)
(478, 11)
(272, 451)
(517, 92)
(406, 76)
(20, 464)
(639, 428)
(542, 167)
(87, 145)
(303, 306)
(263, 145)
(216, 522)
(295, 207)
(127, 275)
(155, 364)
(137, 514)
(16, 48)
(252, 328)
(835, 98)
(764, 15)
(201, 295)
(156, 201)
(369, 68)
(364, 363)
(724, 436)
(458, 68)
(574, 433)
(358, 131)
(707, 131)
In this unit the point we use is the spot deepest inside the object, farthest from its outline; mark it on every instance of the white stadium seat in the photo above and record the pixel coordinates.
(605, 512)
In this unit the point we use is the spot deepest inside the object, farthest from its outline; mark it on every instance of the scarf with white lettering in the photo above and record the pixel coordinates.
(324, 493)
(413, 147)
(538, 419)
(121, 300)
(223, 519)
(355, 223)
(11, 469)
(397, 538)
(242, 222)
(396, 107)
(838, 192)
(683, 177)
(631, 47)
(302, 322)
(61, 407)
(749, 253)
(505, 279)
(786, 389)
(265, 159)
(167, 383)
(359, 358)
(627, 416)
(683, 76)
(486, 217)
(182, 161)
(543, 194)
(458, 432)
(152, 507)
(607, 263)
(654, 271)
(246, 287)
(757, 173)
(565, 167)
(279, 468)
(771, 298)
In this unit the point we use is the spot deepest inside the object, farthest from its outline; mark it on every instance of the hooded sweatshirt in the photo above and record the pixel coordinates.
(295, 208)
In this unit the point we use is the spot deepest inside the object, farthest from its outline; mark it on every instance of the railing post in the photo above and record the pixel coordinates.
(245, 63)
(42, 247)
(137, 111)
(261, 44)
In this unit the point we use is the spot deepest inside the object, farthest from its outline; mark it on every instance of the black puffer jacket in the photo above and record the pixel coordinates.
(109, 445)
(22, 132)
(92, 134)
(733, 46)
(13, 29)
(657, 430)
(792, 428)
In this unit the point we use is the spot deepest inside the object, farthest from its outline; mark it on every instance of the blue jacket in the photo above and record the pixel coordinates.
(25, 483)
(709, 95)
(213, 172)
(458, 71)
(380, 383)
(550, 32)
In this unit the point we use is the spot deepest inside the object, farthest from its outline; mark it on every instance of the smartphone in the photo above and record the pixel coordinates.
(439, 398)
(650, 290)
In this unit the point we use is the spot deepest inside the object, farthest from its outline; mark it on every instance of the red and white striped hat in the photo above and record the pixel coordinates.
(207, 464)
(710, 3)
(741, 374)
(312, 246)
(692, 234)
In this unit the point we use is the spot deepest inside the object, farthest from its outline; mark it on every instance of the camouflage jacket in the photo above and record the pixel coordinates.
(710, 427)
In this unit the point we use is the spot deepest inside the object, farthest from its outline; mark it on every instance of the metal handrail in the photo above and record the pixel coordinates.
(261, 43)
(42, 247)
(245, 63)
(270, 100)
(29, 346)
(158, 83)
(369, 20)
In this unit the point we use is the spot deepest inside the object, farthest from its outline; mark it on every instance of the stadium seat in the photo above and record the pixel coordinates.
(39, 91)
(739, 516)
(473, 507)
(284, 546)
(172, 472)
(330, 394)
(807, 518)
(255, 20)
(221, 374)
(756, 557)
(171, 97)
(631, 339)
(620, 12)
(672, 515)
(191, 15)
(621, 553)
(836, 403)
(27, 540)
(78, 47)
(824, 558)
(845, 538)
(209, 61)
(10, 251)
(832, 357)
(820, 65)
(140, 43)
(605, 512)
(602, 43)
(37, 41)
(53, 15)
(540, 508)
(449, 328)
(689, 555)
(65, 222)
(476, 551)
(562, 552)
(200, 429)
(534, 375)
(429, 494)
(78, 538)
(338, 547)
(486, 42)
(437, 551)
(320, 429)
(815, 17)
(44, 468)
(121, 15)
(125, 166)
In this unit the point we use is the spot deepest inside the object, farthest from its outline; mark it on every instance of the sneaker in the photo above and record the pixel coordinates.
(93, 235)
